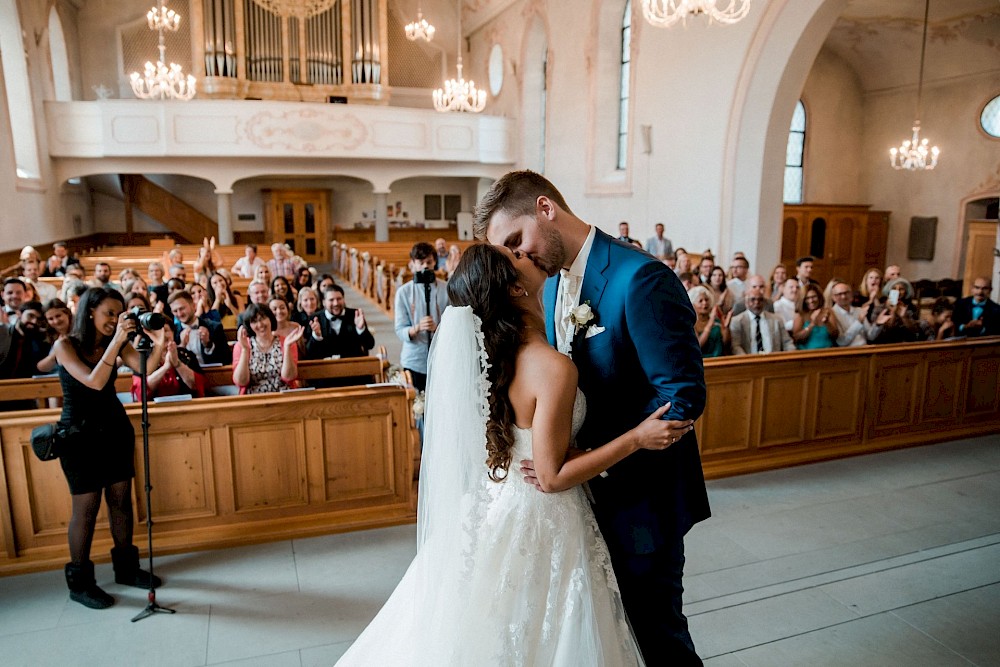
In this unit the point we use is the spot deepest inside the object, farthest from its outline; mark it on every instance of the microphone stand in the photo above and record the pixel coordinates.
(427, 300)
(144, 345)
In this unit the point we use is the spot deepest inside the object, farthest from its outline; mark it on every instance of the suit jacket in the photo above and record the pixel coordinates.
(991, 316)
(646, 356)
(775, 336)
(221, 352)
(348, 343)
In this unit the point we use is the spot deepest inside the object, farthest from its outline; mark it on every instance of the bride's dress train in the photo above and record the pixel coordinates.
(528, 582)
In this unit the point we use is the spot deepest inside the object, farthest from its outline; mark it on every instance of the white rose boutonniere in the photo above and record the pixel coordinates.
(582, 316)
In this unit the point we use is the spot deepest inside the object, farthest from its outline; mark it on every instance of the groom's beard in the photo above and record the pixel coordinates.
(552, 256)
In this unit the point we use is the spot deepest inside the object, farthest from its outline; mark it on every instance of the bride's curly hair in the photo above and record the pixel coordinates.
(485, 280)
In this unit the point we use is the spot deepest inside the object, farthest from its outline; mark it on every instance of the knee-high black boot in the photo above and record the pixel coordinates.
(127, 571)
(83, 588)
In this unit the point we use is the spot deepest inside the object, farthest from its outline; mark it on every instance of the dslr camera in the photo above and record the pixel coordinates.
(146, 319)
(425, 277)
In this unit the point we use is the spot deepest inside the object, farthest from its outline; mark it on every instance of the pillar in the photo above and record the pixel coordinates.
(225, 204)
(381, 216)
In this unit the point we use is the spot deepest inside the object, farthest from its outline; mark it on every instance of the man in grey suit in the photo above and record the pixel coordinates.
(756, 331)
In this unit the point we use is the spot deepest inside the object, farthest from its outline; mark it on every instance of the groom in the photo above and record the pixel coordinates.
(637, 352)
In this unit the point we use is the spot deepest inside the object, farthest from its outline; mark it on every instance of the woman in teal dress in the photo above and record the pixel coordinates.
(815, 326)
(712, 326)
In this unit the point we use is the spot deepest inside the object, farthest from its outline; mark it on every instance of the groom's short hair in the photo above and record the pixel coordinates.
(515, 193)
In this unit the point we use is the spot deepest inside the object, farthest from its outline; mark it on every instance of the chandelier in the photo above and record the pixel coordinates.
(162, 81)
(302, 9)
(419, 29)
(665, 13)
(913, 154)
(459, 94)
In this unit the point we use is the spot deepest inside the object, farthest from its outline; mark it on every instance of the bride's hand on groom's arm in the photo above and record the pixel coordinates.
(657, 433)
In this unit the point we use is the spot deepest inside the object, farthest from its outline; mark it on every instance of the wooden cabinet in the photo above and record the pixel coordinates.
(843, 240)
(300, 218)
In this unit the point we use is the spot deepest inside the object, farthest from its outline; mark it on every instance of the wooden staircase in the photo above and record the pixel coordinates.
(166, 208)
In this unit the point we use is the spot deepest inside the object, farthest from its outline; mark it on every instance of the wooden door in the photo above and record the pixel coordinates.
(981, 238)
(840, 247)
(300, 218)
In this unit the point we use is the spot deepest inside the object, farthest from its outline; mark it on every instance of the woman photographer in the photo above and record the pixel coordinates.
(98, 457)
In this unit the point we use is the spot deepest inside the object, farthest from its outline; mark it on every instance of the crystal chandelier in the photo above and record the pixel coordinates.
(459, 94)
(419, 29)
(665, 13)
(162, 81)
(913, 153)
(302, 9)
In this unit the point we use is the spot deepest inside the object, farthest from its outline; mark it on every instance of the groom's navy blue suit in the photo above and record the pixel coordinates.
(646, 356)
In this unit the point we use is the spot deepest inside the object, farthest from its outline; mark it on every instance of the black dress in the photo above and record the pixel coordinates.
(102, 452)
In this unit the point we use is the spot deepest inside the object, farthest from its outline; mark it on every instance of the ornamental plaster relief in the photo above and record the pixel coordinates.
(305, 131)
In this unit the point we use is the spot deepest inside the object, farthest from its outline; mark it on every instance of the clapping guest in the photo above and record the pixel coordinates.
(977, 315)
(30, 274)
(59, 321)
(136, 300)
(282, 263)
(71, 292)
(896, 319)
(263, 362)
(307, 306)
(303, 278)
(779, 274)
(246, 266)
(787, 305)
(721, 294)
(282, 289)
(179, 373)
(257, 292)
(869, 292)
(202, 303)
(263, 274)
(282, 315)
(756, 331)
(201, 335)
(941, 325)
(454, 257)
(712, 327)
(22, 347)
(854, 328)
(224, 302)
(815, 326)
(208, 260)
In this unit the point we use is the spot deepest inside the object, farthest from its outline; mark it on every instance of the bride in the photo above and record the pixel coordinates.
(505, 574)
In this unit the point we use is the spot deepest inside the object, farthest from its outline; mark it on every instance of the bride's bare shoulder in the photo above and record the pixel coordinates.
(539, 361)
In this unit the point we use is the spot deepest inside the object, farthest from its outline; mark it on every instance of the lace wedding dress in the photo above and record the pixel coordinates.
(529, 583)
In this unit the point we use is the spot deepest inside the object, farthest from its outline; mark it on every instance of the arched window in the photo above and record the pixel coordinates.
(623, 85)
(15, 77)
(794, 155)
(989, 119)
(60, 59)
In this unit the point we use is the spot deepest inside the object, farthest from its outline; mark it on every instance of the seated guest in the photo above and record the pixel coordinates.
(788, 305)
(682, 262)
(869, 292)
(224, 302)
(136, 300)
(257, 292)
(756, 331)
(22, 346)
(202, 302)
(705, 267)
(454, 257)
(263, 362)
(976, 315)
(891, 273)
(415, 322)
(739, 270)
(779, 274)
(135, 285)
(177, 271)
(303, 278)
(30, 275)
(208, 260)
(60, 260)
(687, 280)
(154, 279)
(201, 335)
(71, 292)
(720, 289)
(942, 324)
(441, 247)
(803, 271)
(282, 263)
(896, 319)
(324, 283)
(815, 325)
(264, 275)
(282, 289)
(15, 292)
(853, 327)
(282, 315)
(102, 277)
(712, 327)
(29, 254)
(307, 306)
(59, 322)
(246, 266)
(179, 372)
(755, 284)
(340, 331)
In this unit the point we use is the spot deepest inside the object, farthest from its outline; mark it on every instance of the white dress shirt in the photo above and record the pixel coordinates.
(854, 331)
(568, 295)
(785, 309)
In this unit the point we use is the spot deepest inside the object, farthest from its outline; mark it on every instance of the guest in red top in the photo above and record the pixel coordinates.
(180, 373)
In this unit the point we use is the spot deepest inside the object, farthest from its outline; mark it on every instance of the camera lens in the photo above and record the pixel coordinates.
(152, 321)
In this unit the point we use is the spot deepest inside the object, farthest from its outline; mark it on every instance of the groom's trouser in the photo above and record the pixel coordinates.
(652, 591)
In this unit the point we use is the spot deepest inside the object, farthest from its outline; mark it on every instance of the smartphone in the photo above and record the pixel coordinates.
(893, 298)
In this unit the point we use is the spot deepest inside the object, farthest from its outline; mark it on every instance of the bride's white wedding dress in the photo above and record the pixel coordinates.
(530, 584)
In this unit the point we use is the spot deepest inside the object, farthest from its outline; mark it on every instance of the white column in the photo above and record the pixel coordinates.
(225, 204)
(381, 217)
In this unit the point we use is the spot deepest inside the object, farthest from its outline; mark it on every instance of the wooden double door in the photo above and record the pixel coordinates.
(843, 240)
(300, 218)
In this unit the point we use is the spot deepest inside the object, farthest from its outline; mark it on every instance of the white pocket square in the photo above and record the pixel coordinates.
(593, 331)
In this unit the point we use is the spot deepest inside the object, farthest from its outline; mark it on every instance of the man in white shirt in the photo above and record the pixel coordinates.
(246, 266)
(854, 329)
(659, 246)
(788, 304)
(737, 284)
(756, 331)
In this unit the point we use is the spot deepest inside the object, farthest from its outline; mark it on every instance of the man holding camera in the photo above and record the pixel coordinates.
(204, 337)
(418, 309)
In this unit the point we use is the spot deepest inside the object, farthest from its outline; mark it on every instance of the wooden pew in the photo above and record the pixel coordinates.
(227, 472)
(220, 376)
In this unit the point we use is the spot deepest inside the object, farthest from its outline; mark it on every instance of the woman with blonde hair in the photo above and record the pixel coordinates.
(712, 326)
